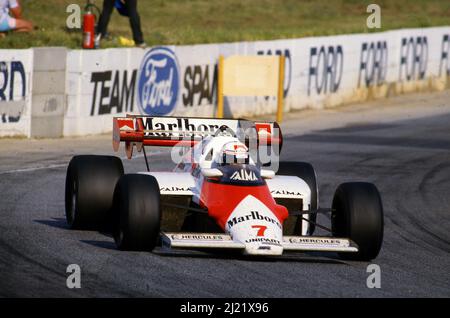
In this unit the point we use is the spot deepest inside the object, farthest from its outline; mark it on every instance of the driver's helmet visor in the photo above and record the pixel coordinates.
(238, 156)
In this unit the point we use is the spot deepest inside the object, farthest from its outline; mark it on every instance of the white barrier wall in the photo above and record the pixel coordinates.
(320, 72)
(182, 80)
(49, 92)
(16, 70)
(100, 84)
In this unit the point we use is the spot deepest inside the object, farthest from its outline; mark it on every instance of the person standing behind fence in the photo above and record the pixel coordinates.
(126, 8)
(11, 17)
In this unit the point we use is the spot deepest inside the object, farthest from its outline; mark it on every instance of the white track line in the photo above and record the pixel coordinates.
(33, 169)
(55, 166)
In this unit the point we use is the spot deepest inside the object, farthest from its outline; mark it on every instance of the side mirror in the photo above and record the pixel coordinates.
(267, 174)
(211, 172)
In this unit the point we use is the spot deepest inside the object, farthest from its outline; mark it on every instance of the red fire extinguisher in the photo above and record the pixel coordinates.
(89, 19)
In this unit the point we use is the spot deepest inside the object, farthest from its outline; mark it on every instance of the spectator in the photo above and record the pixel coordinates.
(127, 8)
(11, 17)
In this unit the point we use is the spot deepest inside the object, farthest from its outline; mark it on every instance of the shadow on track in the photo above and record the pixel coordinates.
(226, 255)
(60, 223)
(102, 244)
(211, 254)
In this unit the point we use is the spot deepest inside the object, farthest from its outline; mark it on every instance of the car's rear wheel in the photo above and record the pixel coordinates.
(357, 213)
(304, 171)
(90, 183)
(137, 212)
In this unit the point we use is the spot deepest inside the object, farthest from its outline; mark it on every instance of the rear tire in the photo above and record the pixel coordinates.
(304, 171)
(90, 183)
(137, 212)
(357, 214)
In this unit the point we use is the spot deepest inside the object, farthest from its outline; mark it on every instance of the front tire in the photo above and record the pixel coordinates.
(90, 183)
(137, 212)
(357, 214)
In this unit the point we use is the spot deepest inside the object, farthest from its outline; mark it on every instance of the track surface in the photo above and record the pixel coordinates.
(403, 149)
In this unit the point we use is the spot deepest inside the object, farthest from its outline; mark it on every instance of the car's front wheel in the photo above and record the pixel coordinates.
(357, 214)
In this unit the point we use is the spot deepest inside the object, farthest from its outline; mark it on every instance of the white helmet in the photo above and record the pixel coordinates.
(234, 152)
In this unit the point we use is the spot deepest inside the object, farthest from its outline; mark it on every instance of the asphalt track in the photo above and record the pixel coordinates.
(403, 149)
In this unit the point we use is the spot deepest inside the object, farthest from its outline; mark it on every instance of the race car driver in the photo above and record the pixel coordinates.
(234, 153)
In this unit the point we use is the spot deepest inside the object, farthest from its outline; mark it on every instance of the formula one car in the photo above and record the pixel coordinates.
(222, 188)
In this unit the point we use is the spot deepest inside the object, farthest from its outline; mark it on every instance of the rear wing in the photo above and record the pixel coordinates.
(185, 131)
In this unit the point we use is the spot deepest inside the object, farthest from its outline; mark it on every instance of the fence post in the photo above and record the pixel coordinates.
(220, 88)
(280, 97)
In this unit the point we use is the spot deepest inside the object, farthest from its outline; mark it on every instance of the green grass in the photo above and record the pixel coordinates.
(210, 21)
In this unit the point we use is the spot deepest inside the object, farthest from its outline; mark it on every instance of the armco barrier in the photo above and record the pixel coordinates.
(77, 92)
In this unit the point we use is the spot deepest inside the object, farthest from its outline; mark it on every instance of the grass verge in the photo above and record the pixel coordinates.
(209, 21)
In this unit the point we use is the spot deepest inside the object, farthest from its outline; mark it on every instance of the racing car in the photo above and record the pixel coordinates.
(227, 194)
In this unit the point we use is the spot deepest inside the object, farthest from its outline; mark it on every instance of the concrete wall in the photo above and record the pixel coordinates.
(54, 92)
(320, 72)
(16, 73)
(49, 92)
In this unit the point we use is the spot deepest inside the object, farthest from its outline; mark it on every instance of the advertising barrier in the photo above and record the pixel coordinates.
(15, 92)
(182, 80)
(100, 84)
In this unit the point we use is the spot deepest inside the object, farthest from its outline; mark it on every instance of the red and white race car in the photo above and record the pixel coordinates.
(229, 188)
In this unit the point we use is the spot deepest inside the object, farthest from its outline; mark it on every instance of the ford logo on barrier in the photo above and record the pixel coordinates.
(158, 82)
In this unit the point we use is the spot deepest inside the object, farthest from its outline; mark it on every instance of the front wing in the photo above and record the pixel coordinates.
(289, 243)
